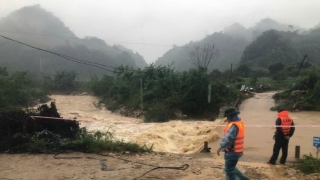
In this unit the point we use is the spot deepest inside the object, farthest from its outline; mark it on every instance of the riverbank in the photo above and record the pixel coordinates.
(91, 166)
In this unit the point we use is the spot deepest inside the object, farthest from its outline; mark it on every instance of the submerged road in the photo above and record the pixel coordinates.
(259, 140)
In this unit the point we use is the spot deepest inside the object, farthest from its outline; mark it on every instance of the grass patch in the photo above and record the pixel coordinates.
(92, 142)
(308, 164)
(99, 142)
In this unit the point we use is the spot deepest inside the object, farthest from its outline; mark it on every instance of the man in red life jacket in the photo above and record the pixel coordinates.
(284, 131)
(232, 144)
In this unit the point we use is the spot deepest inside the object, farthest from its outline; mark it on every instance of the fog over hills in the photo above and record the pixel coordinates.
(38, 27)
(35, 26)
(230, 43)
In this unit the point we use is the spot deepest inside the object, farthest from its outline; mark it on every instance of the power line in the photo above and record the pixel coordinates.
(70, 37)
(39, 34)
(55, 52)
(126, 42)
(63, 56)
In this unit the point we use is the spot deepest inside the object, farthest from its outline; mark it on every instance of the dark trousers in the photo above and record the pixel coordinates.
(280, 143)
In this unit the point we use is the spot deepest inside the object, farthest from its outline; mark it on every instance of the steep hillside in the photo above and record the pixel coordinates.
(269, 48)
(140, 62)
(230, 50)
(35, 26)
(288, 48)
(231, 43)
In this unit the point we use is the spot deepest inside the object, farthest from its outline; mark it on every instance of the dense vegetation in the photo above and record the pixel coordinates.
(165, 92)
(304, 94)
(19, 90)
(268, 49)
(22, 89)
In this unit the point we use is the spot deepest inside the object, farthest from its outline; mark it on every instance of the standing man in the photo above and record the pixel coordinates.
(232, 144)
(284, 131)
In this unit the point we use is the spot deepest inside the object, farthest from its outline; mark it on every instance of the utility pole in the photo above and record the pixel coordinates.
(141, 91)
(41, 65)
(209, 93)
(231, 72)
(304, 57)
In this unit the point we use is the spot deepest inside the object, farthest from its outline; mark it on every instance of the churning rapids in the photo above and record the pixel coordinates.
(187, 137)
(175, 136)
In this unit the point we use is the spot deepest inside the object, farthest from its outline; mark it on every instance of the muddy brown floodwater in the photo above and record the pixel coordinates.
(177, 136)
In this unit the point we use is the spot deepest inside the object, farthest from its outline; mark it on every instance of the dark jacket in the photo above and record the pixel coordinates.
(279, 132)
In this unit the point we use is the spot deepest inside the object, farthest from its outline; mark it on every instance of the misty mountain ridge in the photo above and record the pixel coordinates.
(230, 43)
(263, 25)
(36, 20)
(35, 26)
(136, 56)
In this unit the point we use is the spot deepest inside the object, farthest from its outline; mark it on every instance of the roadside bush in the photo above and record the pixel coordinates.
(101, 142)
(308, 164)
(17, 91)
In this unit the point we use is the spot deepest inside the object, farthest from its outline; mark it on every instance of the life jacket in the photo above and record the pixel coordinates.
(239, 141)
(286, 122)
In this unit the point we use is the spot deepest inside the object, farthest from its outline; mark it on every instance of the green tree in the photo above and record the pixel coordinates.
(17, 90)
(65, 80)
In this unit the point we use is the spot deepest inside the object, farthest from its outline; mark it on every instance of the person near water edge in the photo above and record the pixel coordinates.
(232, 144)
(284, 131)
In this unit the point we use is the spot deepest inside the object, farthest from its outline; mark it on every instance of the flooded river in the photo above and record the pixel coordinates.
(175, 136)
(187, 136)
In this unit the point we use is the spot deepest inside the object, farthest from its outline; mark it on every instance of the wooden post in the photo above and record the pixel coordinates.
(205, 147)
(297, 152)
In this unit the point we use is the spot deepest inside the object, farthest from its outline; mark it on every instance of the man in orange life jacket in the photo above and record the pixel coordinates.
(232, 144)
(282, 136)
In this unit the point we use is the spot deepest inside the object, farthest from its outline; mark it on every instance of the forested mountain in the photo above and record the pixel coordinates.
(269, 48)
(229, 51)
(230, 43)
(37, 27)
(288, 48)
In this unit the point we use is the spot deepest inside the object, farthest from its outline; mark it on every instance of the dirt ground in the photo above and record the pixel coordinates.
(176, 144)
(91, 166)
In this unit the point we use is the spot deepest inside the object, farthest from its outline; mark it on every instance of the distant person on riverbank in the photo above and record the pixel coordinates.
(232, 144)
(284, 131)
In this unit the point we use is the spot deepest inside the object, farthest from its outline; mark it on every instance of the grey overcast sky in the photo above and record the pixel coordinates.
(143, 25)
